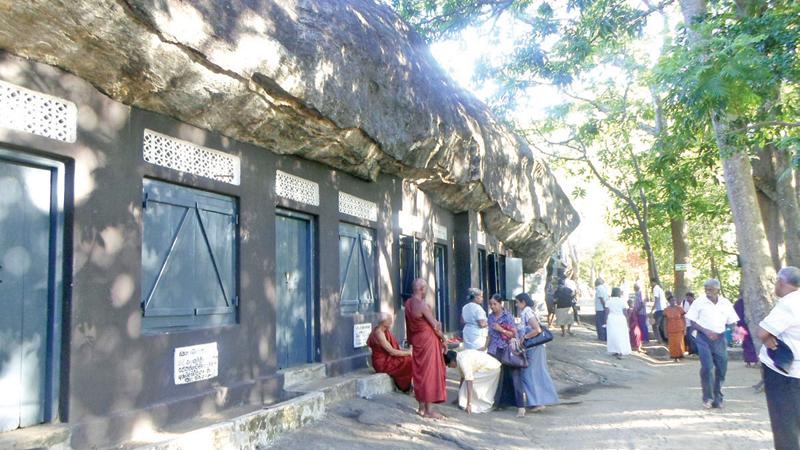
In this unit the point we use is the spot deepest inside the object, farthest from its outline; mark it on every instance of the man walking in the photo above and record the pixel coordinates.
(659, 303)
(782, 387)
(709, 316)
(600, 299)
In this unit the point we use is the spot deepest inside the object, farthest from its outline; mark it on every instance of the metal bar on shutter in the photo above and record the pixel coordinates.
(213, 258)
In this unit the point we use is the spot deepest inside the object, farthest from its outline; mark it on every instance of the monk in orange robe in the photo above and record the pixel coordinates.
(427, 358)
(387, 357)
(676, 328)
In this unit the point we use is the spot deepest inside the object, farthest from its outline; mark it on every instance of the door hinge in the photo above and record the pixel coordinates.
(235, 300)
(236, 219)
(144, 201)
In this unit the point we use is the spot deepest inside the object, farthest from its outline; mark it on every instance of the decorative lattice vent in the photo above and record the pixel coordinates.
(439, 232)
(357, 207)
(296, 188)
(166, 151)
(481, 238)
(36, 113)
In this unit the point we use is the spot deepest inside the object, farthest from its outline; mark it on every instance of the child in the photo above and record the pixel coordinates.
(676, 327)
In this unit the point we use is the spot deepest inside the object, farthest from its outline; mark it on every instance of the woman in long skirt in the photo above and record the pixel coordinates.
(536, 381)
(634, 332)
(617, 339)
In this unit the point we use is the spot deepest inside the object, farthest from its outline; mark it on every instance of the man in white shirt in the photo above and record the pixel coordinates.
(783, 389)
(480, 376)
(600, 299)
(710, 315)
(659, 303)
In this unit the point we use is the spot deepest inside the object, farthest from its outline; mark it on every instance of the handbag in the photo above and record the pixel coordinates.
(512, 356)
(543, 337)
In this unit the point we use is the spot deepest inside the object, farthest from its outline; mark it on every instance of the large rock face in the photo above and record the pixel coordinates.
(342, 82)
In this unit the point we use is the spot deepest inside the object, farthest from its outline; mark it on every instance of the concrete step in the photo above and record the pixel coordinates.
(49, 436)
(252, 430)
(304, 374)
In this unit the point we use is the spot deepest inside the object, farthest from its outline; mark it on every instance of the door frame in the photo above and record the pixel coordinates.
(312, 310)
(442, 286)
(57, 292)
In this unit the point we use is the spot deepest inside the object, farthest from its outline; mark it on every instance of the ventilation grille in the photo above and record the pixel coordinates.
(296, 188)
(166, 151)
(36, 113)
(357, 207)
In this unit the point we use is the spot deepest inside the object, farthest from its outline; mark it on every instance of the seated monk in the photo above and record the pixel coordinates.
(386, 354)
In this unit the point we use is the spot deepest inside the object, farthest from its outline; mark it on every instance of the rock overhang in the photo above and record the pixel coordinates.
(344, 83)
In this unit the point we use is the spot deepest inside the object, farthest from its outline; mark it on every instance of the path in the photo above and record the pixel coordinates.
(635, 403)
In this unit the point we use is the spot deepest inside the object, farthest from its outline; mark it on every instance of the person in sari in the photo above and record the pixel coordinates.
(676, 328)
(501, 331)
(480, 374)
(641, 311)
(536, 382)
(748, 349)
(427, 343)
(634, 332)
(617, 334)
(387, 357)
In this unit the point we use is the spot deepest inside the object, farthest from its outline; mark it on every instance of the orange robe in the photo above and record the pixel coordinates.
(676, 329)
(427, 362)
(397, 367)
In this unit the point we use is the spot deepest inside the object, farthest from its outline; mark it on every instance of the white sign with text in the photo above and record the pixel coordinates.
(196, 363)
(361, 334)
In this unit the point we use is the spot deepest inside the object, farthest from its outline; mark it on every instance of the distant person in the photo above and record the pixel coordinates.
(576, 293)
(387, 357)
(618, 339)
(501, 331)
(634, 332)
(782, 388)
(600, 300)
(688, 299)
(748, 348)
(710, 315)
(641, 312)
(676, 328)
(479, 375)
(659, 303)
(475, 322)
(564, 299)
(536, 381)
(427, 344)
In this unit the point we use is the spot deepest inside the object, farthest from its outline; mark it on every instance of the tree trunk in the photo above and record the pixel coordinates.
(652, 269)
(787, 204)
(680, 255)
(764, 180)
(758, 275)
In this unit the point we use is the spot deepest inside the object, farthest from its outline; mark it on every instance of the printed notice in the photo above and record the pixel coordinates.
(361, 334)
(195, 363)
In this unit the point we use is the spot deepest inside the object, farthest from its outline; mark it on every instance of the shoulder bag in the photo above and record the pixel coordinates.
(543, 337)
(513, 356)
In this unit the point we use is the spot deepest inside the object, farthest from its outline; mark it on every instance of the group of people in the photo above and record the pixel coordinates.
(623, 324)
(486, 381)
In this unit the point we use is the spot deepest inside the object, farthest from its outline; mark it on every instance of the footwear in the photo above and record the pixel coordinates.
(716, 405)
(707, 404)
(538, 408)
(520, 412)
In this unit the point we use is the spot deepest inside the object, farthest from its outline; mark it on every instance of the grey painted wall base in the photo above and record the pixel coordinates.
(53, 437)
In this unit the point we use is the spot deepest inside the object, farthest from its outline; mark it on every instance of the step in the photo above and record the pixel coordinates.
(304, 374)
(249, 431)
(364, 383)
(49, 436)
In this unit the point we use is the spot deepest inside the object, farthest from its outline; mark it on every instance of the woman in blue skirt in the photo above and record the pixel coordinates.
(536, 381)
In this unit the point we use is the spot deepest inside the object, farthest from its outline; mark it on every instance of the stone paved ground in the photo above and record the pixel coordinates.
(635, 403)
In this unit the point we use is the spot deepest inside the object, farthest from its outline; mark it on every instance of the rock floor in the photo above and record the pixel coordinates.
(637, 402)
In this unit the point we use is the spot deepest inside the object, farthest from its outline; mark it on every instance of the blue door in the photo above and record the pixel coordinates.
(26, 249)
(294, 289)
(442, 292)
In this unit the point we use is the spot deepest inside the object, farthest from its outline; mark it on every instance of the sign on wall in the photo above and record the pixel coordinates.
(196, 363)
(361, 334)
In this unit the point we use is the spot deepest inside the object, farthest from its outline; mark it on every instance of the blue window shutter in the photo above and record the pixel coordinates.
(356, 268)
(188, 256)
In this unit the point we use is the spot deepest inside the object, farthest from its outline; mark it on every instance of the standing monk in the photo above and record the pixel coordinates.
(427, 342)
